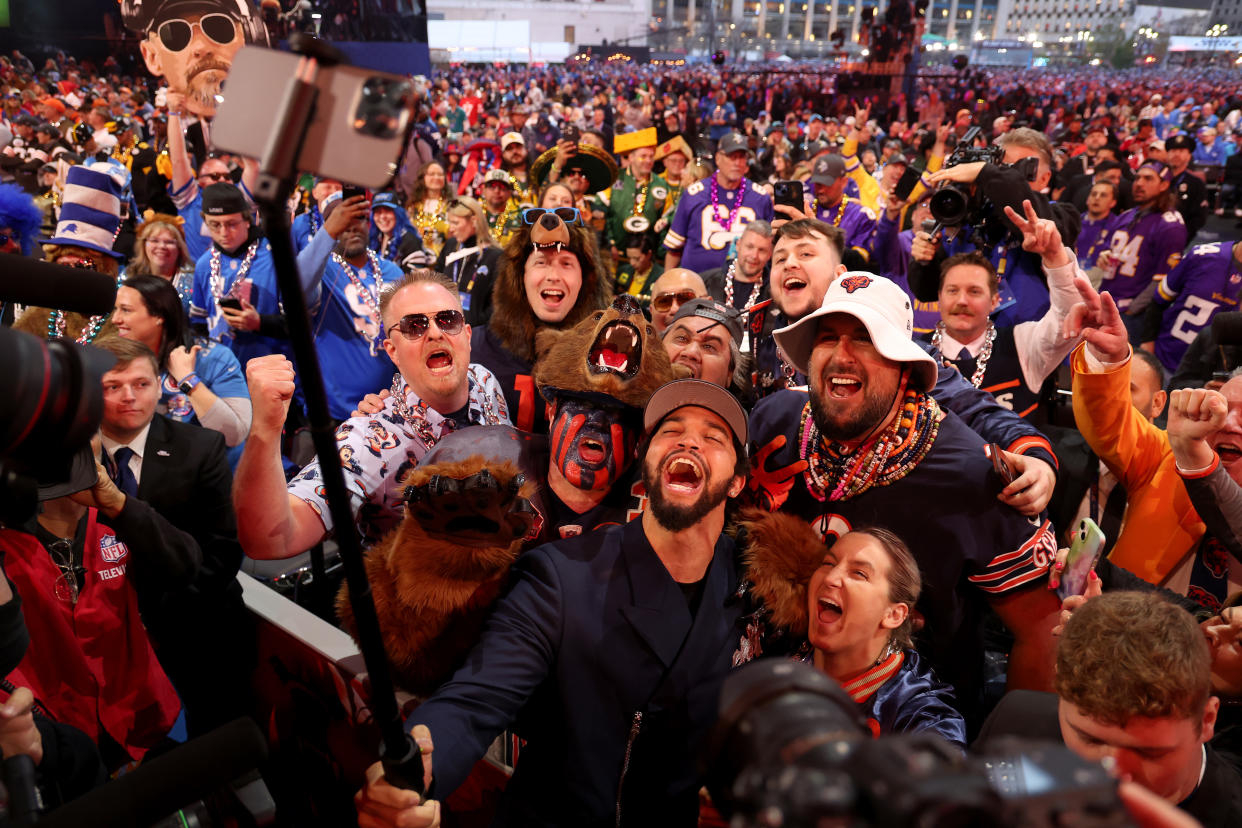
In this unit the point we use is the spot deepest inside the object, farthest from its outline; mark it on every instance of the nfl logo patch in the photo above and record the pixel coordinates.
(112, 549)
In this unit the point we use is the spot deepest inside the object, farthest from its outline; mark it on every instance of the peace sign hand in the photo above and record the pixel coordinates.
(1039, 235)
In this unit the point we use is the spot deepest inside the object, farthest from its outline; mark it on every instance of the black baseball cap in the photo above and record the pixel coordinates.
(1180, 142)
(223, 200)
(708, 308)
(827, 170)
(733, 142)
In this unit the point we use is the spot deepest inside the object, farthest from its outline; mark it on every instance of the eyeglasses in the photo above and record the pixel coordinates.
(665, 301)
(569, 215)
(217, 177)
(176, 34)
(65, 587)
(231, 224)
(415, 325)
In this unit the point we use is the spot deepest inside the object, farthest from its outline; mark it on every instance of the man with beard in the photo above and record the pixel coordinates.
(436, 391)
(349, 333)
(191, 43)
(870, 447)
(612, 647)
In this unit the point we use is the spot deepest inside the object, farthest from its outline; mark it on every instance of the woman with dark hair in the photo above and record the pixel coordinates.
(160, 250)
(200, 381)
(541, 284)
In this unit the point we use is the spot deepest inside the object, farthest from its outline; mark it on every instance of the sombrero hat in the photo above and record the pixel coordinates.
(600, 169)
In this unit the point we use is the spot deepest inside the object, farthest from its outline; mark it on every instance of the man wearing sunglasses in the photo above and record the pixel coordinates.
(672, 290)
(436, 391)
(191, 43)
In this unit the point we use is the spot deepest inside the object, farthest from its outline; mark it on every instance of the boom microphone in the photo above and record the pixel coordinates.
(30, 281)
(183, 775)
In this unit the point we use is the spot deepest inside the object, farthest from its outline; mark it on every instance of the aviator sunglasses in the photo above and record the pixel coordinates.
(664, 302)
(415, 325)
(176, 34)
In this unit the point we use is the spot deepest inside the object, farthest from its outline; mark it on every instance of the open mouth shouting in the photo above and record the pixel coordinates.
(683, 475)
(793, 284)
(592, 452)
(617, 350)
(553, 298)
(440, 360)
(843, 387)
(1230, 451)
(828, 611)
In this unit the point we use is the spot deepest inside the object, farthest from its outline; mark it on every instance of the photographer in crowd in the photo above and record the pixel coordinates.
(1021, 173)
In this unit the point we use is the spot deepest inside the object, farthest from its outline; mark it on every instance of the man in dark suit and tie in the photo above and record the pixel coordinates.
(611, 645)
(201, 633)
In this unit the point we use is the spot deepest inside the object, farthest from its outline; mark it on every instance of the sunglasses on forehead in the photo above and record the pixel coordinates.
(414, 326)
(664, 301)
(569, 215)
(176, 33)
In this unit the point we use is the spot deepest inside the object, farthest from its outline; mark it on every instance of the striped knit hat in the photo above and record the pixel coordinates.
(90, 212)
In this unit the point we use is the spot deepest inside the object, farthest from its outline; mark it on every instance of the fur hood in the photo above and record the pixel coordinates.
(513, 321)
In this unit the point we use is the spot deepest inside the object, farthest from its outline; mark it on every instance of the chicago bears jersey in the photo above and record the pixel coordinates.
(968, 545)
(699, 232)
(1207, 281)
(1145, 246)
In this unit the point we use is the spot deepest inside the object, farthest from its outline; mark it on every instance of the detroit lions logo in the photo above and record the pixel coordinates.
(853, 283)
(69, 229)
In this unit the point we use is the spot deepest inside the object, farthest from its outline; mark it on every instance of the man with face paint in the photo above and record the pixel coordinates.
(612, 646)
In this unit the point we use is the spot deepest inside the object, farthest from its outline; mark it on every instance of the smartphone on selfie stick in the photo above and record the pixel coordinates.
(351, 124)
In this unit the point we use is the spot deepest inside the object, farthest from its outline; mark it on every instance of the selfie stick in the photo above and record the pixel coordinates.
(278, 170)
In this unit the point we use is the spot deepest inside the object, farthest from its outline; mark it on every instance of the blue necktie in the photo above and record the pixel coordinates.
(125, 480)
(964, 355)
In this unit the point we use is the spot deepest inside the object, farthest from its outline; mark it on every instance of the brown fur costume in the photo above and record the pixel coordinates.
(34, 320)
(434, 583)
(432, 592)
(569, 359)
(782, 553)
(513, 321)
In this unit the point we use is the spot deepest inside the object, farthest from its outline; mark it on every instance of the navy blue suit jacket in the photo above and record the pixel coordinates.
(594, 641)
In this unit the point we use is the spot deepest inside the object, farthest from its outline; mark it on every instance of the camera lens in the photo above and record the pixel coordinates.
(383, 107)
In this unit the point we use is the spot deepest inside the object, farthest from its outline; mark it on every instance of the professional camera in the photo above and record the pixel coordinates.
(52, 395)
(790, 749)
(955, 204)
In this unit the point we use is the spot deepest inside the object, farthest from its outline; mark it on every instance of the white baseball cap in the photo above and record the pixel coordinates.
(885, 310)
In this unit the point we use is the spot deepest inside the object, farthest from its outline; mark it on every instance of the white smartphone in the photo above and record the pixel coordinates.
(357, 132)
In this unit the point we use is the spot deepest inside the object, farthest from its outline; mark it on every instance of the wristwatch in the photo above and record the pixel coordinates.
(188, 383)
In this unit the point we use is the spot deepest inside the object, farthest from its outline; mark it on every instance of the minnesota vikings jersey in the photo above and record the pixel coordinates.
(1093, 238)
(856, 221)
(1145, 246)
(700, 232)
(968, 545)
(1207, 281)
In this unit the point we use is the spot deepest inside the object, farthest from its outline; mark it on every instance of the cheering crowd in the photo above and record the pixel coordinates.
(713, 298)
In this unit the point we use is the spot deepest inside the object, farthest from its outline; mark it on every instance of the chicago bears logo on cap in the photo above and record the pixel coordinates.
(853, 283)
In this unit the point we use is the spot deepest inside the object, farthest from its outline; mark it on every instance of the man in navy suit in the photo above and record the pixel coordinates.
(201, 632)
(612, 646)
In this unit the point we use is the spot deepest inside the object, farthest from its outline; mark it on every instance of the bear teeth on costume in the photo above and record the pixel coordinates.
(618, 349)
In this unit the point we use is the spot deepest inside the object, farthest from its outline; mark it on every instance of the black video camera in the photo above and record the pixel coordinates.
(790, 749)
(953, 205)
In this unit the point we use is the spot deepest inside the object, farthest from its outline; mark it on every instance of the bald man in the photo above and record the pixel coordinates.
(672, 290)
